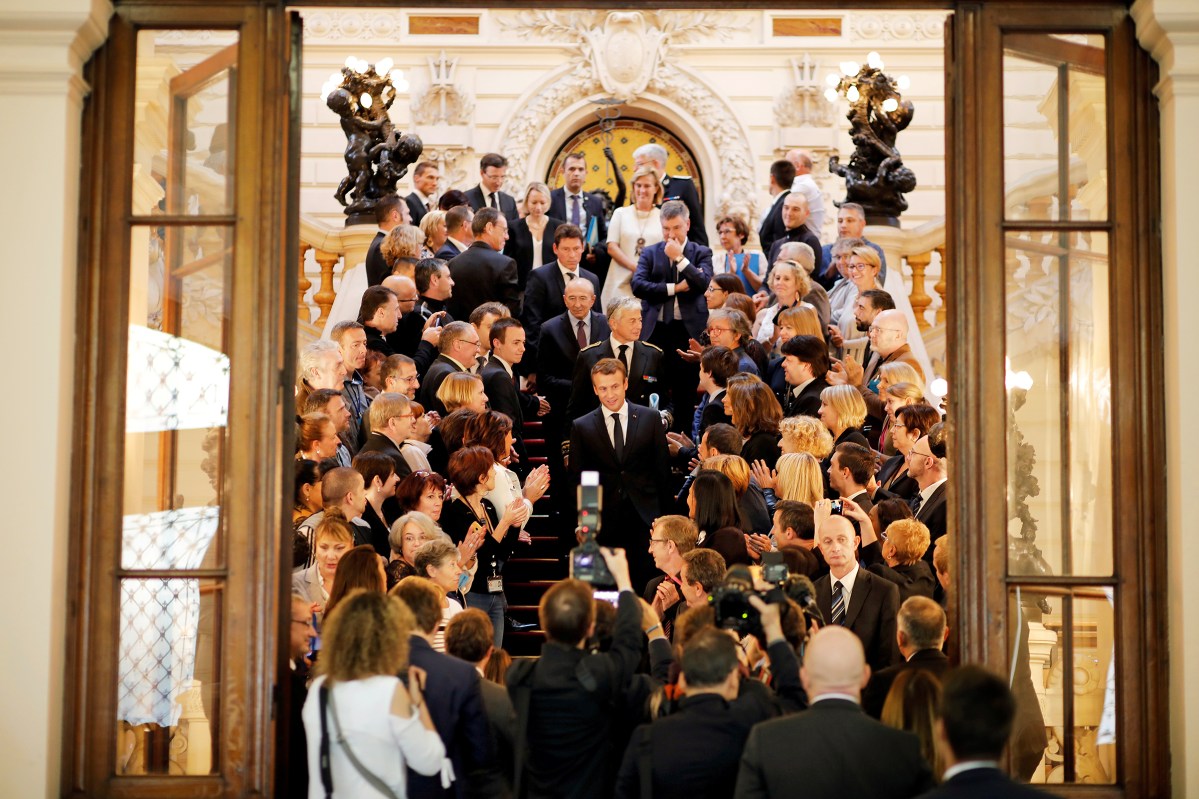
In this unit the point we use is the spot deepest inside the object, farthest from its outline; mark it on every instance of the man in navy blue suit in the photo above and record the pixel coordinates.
(546, 287)
(670, 280)
(582, 209)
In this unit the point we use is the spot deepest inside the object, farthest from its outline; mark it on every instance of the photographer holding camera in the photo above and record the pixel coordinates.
(564, 700)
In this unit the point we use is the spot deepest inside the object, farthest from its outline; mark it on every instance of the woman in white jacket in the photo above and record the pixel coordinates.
(375, 726)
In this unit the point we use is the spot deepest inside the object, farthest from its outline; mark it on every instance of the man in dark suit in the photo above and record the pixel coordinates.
(455, 702)
(417, 333)
(642, 360)
(795, 215)
(483, 273)
(921, 632)
(379, 315)
(804, 366)
(583, 210)
(423, 198)
(457, 349)
(670, 280)
(458, 221)
(392, 423)
(389, 214)
(716, 366)
(844, 751)
(434, 287)
(851, 468)
(547, 283)
(674, 187)
(626, 444)
(977, 716)
(850, 596)
(561, 339)
(926, 465)
(501, 383)
(782, 175)
(493, 168)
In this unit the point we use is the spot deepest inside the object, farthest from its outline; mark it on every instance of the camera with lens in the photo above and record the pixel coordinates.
(730, 599)
(586, 561)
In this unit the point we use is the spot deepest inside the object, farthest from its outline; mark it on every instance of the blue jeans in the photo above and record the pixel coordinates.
(493, 605)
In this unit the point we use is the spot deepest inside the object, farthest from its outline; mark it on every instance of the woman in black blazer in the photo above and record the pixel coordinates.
(911, 422)
(535, 227)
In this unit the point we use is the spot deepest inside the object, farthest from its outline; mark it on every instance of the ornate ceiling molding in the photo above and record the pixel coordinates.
(897, 26)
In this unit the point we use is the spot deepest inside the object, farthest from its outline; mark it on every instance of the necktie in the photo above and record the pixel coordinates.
(838, 616)
(668, 306)
(481, 363)
(429, 205)
(570, 275)
(582, 335)
(622, 349)
(493, 200)
(617, 437)
(917, 501)
(575, 218)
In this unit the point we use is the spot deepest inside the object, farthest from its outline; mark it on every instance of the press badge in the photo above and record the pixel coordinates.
(495, 585)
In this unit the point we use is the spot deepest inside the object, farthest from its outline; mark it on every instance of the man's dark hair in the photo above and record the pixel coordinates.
(706, 567)
(469, 635)
(811, 350)
(483, 218)
(385, 205)
(724, 439)
(977, 709)
(422, 168)
(798, 516)
(374, 298)
(858, 459)
(318, 400)
(423, 598)
(783, 172)
(708, 658)
(457, 218)
(720, 362)
(454, 198)
(892, 510)
(567, 231)
(373, 464)
(567, 611)
(879, 300)
(426, 268)
(500, 329)
(497, 309)
(391, 366)
(492, 160)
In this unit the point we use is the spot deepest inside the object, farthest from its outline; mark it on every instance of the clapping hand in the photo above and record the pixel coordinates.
(764, 475)
(537, 483)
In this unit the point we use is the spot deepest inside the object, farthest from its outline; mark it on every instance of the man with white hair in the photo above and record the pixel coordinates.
(321, 366)
(642, 360)
(674, 187)
(805, 184)
(844, 751)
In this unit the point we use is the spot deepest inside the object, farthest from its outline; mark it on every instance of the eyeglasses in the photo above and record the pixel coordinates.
(474, 343)
(659, 540)
(712, 330)
(877, 329)
(404, 416)
(913, 451)
(857, 267)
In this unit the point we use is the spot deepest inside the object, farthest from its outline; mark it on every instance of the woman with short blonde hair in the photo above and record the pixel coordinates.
(361, 702)
(799, 479)
(843, 411)
(436, 235)
(401, 249)
(462, 390)
(805, 434)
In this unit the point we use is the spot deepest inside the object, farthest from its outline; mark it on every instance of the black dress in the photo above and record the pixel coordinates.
(762, 445)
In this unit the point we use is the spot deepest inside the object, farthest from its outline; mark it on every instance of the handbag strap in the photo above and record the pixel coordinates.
(375, 782)
(326, 774)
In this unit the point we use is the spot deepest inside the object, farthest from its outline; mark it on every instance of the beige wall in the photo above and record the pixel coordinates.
(43, 43)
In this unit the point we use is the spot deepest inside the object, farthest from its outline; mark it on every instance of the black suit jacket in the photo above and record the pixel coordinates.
(594, 207)
(870, 615)
(432, 380)
(377, 442)
(503, 396)
(639, 476)
(474, 196)
(482, 275)
(557, 352)
(416, 207)
(808, 401)
(520, 247)
(874, 696)
(456, 706)
(912, 579)
(772, 225)
(643, 376)
(801, 233)
(933, 514)
(683, 188)
(903, 486)
(654, 273)
(984, 783)
(543, 296)
(376, 267)
(844, 753)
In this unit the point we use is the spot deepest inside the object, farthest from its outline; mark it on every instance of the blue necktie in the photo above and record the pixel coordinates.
(838, 615)
(575, 218)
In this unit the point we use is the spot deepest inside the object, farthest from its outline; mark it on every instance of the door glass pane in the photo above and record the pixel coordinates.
(1063, 674)
(168, 676)
(177, 397)
(1054, 127)
(185, 95)
(1059, 404)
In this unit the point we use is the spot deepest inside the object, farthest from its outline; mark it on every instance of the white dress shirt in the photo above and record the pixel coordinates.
(582, 210)
(628, 354)
(847, 584)
(566, 278)
(623, 413)
(927, 493)
(574, 325)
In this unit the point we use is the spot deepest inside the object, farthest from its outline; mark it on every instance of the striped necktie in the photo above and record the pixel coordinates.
(838, 616)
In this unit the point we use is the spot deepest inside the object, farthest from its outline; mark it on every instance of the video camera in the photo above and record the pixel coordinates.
(730, 599)
(586, 561)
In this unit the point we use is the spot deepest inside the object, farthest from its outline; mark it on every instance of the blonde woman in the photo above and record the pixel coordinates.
(632, 229)
(433, 226)
(401, 249)
(790, 284)
(843, 412)
(371, 720)
(531, 240)
(797, 477)
(805, 434)
(462, 390)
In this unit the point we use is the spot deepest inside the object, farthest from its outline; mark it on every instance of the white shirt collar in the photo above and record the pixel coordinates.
(507, 366)
(835, 695)
(456, 363)
(967, 765)
(461, 247)
(574, 323)
(616, 343)
(927, 493)
(425, 198)
(797, 390)
(713, 392)
(623, 413)
(578, 270)
(847, 583)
